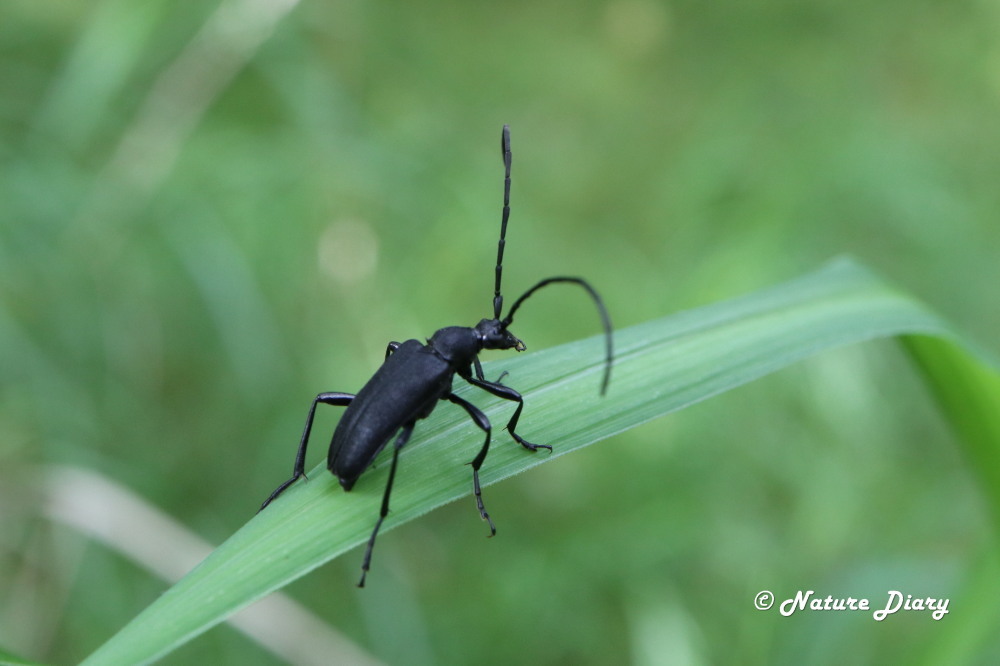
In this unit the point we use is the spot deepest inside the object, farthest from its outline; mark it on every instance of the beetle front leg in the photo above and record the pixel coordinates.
(479, 372)
(477, 462)
(340, 399)
(508, 393)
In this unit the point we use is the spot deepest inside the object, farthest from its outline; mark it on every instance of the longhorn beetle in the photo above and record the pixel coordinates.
(414, 376)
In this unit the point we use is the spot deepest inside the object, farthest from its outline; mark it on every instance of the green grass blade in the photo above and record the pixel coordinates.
(660, 366)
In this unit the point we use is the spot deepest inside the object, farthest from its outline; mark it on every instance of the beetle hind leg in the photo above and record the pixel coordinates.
(299, 471)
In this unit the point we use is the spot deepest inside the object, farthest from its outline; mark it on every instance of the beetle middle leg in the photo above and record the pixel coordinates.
(477, 462)
(338, 399)
(507, 393)
(401, 440)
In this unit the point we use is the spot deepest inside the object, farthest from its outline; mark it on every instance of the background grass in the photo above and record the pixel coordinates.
(211, 213)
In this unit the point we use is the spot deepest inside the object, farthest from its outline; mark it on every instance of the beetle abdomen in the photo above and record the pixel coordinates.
(404, 389)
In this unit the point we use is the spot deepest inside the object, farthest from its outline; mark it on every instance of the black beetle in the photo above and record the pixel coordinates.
(415, 376)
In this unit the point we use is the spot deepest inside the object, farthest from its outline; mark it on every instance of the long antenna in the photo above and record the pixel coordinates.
(605, 319)
(505, 151)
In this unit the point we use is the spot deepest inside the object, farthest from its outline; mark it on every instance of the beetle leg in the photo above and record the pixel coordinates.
(391, 347)
(477, 462)
(404, 436)
(479, 372)
(341, 399)
(508, 393)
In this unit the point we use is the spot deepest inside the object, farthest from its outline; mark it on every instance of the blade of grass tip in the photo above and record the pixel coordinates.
(967, 389)
(661, 366)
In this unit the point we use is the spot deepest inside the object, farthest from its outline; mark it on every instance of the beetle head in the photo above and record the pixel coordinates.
(493, 334)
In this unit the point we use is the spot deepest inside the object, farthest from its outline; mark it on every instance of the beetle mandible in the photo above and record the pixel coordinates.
(415, 376)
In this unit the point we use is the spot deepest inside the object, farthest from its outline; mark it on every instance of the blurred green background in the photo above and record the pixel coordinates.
(210, 212)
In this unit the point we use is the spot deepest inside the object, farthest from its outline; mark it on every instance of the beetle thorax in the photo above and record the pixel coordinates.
(458, 345)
